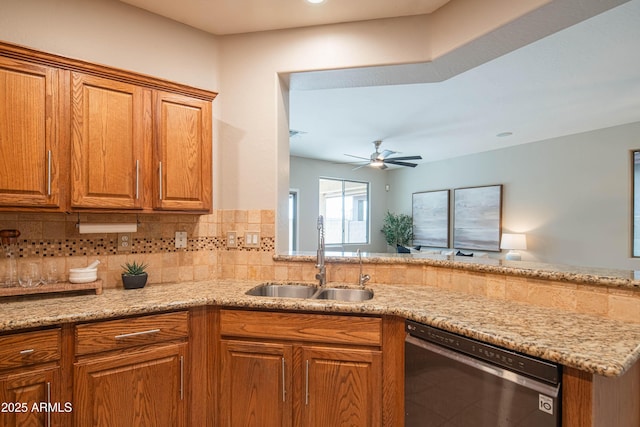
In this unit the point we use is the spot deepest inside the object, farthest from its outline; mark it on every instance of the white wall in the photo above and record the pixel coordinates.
(305, 174)
(570, 195)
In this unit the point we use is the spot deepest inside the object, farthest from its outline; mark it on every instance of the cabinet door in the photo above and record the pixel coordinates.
(183, 153)
(143, 388)
(340, 387)
(255, 384)
(29, 126)
(111, 126)
(27, 396)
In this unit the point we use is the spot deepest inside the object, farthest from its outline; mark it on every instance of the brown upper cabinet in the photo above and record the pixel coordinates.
(182, 155)
(110, 131)
(29, 139)
(76, 136)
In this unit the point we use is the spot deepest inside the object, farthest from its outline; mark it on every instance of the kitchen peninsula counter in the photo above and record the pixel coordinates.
(585, 342)
(597, 276)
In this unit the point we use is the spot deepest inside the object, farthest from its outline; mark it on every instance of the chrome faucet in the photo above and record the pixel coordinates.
(362, 278)
(322, 274)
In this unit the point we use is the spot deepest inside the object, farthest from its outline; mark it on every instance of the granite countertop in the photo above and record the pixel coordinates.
(588, 343)
(629, 279)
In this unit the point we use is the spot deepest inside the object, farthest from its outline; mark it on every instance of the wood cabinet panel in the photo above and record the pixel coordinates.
(29, 140)
(31, 390)
(343, 387)
(111, 125)
(143, 388)
(28, 348)
(352, 330)
(183, 152)
(256, 384)
(124, 333)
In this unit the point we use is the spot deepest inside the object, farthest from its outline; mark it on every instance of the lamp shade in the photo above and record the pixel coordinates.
(513, 241)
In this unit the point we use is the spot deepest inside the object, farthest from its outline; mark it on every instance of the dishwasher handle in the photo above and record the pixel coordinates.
(547, 389)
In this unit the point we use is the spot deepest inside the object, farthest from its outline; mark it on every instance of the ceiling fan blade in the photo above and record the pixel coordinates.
(393, 162)
(385, 154)
(358, 157)
(405, 158)
(383, 167)
(361, 166)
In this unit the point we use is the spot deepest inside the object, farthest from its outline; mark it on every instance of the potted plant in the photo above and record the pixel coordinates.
(397, 229)
(134, 275)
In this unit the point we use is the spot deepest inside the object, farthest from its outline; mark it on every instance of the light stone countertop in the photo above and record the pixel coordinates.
(629, 279)
(588, 343)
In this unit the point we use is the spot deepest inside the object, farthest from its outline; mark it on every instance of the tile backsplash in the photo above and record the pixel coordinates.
(53, 239)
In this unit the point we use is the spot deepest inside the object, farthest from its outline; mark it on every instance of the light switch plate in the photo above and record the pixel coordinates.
(252, 239)
(181, 239)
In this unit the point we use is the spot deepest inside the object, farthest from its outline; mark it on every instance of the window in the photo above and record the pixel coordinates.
(345, 207)
(636, 203)
(293, 220)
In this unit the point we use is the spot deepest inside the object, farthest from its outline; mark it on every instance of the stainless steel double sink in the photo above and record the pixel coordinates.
(301, 290)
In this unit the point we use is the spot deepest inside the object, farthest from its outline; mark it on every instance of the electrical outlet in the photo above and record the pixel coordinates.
(124, 242)
(181, 239)
(232, 242)
(252, 239)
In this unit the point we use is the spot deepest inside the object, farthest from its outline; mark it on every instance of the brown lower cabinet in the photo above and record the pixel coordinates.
(142, 388)
(292, 369)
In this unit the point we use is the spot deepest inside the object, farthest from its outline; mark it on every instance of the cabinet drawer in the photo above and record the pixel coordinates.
(28, 348)
(299, 326)
(124, 333)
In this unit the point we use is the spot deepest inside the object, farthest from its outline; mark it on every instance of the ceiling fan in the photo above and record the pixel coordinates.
(380, 160)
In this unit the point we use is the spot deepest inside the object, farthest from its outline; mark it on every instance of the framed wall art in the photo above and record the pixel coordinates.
(431, 218)
(477, 218)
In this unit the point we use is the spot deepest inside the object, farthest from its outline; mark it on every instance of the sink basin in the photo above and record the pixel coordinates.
(283, 290)
(343, 294)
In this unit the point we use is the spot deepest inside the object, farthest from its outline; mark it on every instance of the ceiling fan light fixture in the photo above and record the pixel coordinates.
(376, 163)
(315, 1)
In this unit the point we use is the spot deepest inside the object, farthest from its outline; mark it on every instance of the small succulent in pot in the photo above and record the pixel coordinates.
(134, 275)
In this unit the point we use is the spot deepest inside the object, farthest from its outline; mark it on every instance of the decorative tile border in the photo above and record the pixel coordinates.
(108, 246)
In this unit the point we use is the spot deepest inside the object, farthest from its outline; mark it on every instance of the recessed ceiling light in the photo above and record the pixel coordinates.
(503, 134)
(315, 1)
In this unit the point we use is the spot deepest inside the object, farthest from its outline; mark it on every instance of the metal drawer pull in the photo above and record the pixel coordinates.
(181, 377)
(160, 179)
(284, 390)
(137, 178)
(25, 352)
(306, 385)
(49, 173)
(135, 334)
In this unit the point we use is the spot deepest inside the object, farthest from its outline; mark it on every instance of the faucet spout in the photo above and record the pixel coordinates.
(362, 278)
(320, 264)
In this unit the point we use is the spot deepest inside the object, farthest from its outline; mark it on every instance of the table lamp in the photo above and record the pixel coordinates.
(513, 242)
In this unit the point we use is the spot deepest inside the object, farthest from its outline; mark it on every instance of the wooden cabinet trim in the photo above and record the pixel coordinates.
(131, 332)
(31, 55)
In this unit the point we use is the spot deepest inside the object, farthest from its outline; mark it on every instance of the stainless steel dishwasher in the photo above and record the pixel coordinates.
(451, 380)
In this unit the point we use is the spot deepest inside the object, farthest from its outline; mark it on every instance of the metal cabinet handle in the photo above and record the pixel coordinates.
(181, 377)
(25, 352)
(160, 179)
(137, 178)
(48, 404)
(135, 334)
(306, 384)
(284, 390)
(48, 172)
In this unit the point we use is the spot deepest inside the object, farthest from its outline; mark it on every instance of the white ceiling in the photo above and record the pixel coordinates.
(582, 78)
(222, 17)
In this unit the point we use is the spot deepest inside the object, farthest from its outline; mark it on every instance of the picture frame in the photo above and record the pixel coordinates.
(477, 218)
(430, 210)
